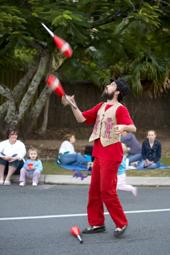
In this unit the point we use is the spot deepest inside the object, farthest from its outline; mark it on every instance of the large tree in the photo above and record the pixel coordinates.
(118, 38)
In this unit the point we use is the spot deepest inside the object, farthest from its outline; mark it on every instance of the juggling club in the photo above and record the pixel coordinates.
(75, 231)
(55, 85)
(62, 45)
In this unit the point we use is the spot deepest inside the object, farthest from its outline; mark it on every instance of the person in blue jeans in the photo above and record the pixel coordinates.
(67, 153)
(151, 152)
(133, 145)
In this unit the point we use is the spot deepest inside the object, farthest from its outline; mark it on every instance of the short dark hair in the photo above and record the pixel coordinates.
(68, 136)
(11, 131)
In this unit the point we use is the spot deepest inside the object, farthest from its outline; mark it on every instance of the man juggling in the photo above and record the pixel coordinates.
(110, 119)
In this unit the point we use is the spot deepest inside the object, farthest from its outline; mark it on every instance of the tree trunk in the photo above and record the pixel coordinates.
(11, 107)
(8, 110)
(20, 88)
(44, 98)
(43, 128)
(29, 95)
(37, 108)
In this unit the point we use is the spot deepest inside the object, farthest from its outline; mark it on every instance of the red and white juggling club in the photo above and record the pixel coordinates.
(62, 45)
(75, 231)
(54, 84)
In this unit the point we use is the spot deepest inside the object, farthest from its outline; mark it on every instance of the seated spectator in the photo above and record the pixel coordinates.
(133, 145)
(88, 151)
(151, 152)
(12, 152)
(67, 153)
(121, 177)
(88, 154)
(32, 168)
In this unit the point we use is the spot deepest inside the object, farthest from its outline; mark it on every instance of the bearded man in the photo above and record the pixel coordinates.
(110, 119)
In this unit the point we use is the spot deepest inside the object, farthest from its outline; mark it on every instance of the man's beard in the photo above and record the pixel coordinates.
(105, 96)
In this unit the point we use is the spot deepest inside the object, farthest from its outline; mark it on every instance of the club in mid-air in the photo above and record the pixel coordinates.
(55, 85)
(62, 45)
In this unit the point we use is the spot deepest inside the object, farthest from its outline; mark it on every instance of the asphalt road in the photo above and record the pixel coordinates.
(37, 220)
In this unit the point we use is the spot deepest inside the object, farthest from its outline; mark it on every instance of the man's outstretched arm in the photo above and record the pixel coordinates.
(76, 111)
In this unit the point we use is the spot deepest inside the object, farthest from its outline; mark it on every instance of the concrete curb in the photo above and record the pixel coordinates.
(66, 179)
(148, 181)
(69, 179)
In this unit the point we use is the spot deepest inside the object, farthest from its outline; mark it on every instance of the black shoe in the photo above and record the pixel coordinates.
(93, 229)
(119, 231)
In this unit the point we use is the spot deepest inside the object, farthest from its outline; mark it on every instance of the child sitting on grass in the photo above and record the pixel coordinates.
(67, 154)
(32, 168)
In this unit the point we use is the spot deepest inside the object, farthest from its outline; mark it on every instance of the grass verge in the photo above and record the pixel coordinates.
(50, 167)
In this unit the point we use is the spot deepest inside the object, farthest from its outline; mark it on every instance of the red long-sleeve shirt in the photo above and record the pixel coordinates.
(114, 151)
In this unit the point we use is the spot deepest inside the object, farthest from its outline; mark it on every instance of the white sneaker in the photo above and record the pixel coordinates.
(130, 168)
(134, 191)
(7, 183)
(34, 184)
(22, 184)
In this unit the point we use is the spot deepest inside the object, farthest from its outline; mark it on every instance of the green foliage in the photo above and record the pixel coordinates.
(119, 38)
(25, 55)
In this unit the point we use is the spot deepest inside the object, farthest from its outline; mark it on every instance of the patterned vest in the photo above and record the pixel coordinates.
(104, 125)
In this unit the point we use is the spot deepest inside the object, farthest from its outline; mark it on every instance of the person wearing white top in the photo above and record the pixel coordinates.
(67, 153)
(65, 147)
(12, 152)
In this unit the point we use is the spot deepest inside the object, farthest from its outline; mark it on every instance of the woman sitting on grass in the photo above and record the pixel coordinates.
(12, 152)
(151, 152)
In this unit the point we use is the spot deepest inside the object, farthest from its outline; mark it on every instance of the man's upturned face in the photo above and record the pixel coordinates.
(109, 91)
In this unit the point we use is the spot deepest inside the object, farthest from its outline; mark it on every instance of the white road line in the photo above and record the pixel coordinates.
(77, 215)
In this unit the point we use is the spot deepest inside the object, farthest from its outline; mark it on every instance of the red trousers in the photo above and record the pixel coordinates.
(103, 191)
